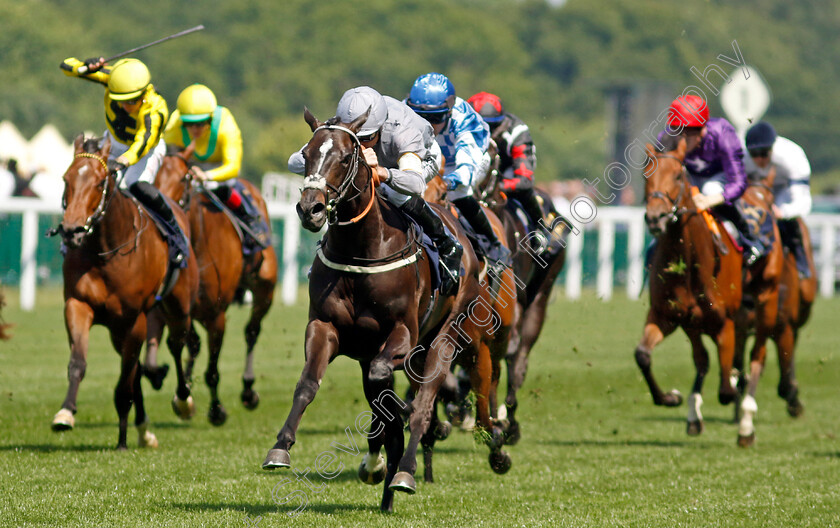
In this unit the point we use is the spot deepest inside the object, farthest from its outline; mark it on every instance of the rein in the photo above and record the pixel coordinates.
(318, 182)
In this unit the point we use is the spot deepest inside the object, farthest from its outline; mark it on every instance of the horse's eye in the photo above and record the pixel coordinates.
(101, 184)
(347, 158)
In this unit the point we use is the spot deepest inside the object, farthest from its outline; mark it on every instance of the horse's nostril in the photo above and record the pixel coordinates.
(317, 209)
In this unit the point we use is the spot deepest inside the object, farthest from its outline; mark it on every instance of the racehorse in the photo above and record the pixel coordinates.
(371, 299)
(796, 295)
(535, 273)
(759, 307)
(695, 280)
(109, 238)
(497, 297)
(217, 243)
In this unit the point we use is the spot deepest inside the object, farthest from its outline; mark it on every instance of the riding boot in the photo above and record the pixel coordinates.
(245, 211)
(753, 248)
(448, 246)
(148, 195)
(532, 207)
(476, 217)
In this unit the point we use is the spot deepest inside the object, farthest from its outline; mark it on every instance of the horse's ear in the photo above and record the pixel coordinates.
(680, 151)
(357, 123)
(771, 177)
(310, 119)
(649, 150)
(77, 143)
(106, 148)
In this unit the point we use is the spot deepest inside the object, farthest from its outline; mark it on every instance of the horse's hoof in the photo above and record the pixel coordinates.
(453, 413)
(277, 458)
(500, 462)
(250, 399)
(375, 474)
(443, 430)
(184, 409)
(694, 428)
(746, 441)
(404, 482)
(672, 399)
(147, 439)
(156, 375)
(795, 409)
(217, 414)
(725, 397)
(512, 434)
(468, 423)
(63, 420)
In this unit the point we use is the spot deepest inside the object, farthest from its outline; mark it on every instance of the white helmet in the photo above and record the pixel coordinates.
(356, 102)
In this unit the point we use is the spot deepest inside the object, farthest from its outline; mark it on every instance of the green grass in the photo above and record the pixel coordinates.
(594, 452)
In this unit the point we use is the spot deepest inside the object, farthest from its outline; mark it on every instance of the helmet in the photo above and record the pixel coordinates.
(688, 111)
(356, 101)
(489, 106)
(431, 93)
(761, 135)
(129, 79)
(196, 103)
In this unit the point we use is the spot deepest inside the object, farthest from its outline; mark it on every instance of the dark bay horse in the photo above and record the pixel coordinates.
(371, 300)
(759, 308)
(114, 269)
(694, 283)
(223, 269)
(793, 307)
(535, 272)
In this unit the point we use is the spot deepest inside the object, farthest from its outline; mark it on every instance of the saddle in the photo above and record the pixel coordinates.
(252, 240)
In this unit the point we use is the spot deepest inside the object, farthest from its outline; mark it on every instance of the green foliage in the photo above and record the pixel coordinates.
(266, 60)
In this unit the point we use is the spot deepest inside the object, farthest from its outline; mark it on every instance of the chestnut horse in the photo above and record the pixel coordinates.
(793, 308)
(222, 270)
(693, 284)
(497, 299)
(759, 308)
(114, 270)
(535, 273)
(371, 299)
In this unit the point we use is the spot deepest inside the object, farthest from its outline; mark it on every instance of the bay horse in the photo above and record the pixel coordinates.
(694, 284)
(371, 300)
(223, 270)
(114, 269)
(759, 308)
(535, 273)
(795, 298)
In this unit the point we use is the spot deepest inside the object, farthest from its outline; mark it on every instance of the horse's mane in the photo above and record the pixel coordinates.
(333, 121)
(91, 145)
(668, 143)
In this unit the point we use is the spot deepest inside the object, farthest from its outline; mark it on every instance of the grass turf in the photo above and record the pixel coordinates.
(594, 451)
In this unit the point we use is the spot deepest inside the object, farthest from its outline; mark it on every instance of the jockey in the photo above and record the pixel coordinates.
(135, 115)
(401, 148)
(714, 163)
(463, 138)
(218, 148)
(518, 156)
(791, 187)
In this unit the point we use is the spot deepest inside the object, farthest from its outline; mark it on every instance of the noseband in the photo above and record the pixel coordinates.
(318, 182)
(676, 211)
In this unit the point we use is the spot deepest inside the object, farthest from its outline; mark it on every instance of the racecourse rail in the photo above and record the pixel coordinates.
(281, 193)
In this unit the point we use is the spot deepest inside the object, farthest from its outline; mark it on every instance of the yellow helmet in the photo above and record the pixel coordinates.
(196, 103)
(129, 79)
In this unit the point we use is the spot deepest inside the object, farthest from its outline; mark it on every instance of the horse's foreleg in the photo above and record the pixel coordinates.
(321, 346)
(78, 318)
(215, 335)
(129, 344)
(767, 311)
(154, 332)
(694, 421)
(529, 324)
(655, 331)
(372, 470)
(179, 327)
(725, 340)
(263, 297)
(788, 388)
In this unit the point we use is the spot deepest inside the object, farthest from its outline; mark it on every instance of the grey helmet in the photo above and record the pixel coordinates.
(356, 102)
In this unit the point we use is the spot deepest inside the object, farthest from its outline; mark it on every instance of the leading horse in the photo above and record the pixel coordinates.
(114, 272)
(223, 269)
(371, 299)
(695, 281)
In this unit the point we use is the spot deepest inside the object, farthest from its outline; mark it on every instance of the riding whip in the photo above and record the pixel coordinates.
(84, 69)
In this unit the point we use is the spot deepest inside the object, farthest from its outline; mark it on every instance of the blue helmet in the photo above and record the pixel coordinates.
(431, 93)
(761, 135)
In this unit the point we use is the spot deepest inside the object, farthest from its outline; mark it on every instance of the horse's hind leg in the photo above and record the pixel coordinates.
(193, 349)
(215, 335)
(145, 438)
(694, 421)
(725, 340)
(739, 373)
(154, 333)
(655, 331)
(788, 386)
(481, 376)
(78, 318)
(129, 344)
(766, 315)
(373, 468)
(179, 327)
(263, 297)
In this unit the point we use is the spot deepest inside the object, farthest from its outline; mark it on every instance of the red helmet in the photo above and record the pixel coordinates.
(688, 111)
(488, 105)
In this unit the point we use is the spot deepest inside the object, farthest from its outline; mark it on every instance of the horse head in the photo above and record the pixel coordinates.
(174, 176)
(332, 159)
(666, 187)
(86, 189)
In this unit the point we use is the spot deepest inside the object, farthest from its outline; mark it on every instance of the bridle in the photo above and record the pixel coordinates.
(104, 200)
(318, 182)
(676, 211)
